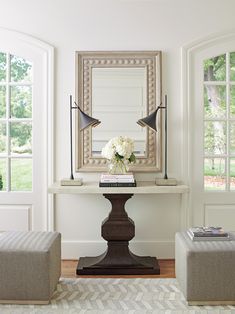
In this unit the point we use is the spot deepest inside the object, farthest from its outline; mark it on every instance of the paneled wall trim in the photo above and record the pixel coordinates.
(15, 217)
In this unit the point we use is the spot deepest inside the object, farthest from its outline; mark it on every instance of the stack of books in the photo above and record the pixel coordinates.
(208, 234)
(117, 180)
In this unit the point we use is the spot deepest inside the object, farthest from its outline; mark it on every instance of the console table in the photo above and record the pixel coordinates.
(118, 229)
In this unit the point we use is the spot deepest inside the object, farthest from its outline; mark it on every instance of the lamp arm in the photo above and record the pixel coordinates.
(165, 175)
(165, 153)
(76, 106)
(71, 134)
(160, 107)
(71, 139)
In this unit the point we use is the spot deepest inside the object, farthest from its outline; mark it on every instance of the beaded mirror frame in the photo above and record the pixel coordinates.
(85, 62)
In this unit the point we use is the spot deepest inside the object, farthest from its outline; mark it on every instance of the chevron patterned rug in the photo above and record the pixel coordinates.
(114, 296)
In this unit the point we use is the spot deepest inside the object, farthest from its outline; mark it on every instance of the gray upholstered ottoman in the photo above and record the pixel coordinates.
(30, 266)
(205, 270)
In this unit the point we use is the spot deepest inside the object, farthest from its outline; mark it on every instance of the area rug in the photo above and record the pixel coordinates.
(111, 295)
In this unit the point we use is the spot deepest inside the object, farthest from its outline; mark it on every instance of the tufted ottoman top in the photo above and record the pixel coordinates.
(207, 246)
(30, 241)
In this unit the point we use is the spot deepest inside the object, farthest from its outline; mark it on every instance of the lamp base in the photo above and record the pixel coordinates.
(74, 182)
(170, 181)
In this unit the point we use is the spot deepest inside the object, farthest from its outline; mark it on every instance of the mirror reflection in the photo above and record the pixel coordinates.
(119, 97)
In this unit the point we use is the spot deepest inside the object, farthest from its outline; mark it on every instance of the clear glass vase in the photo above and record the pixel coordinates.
(118, 167)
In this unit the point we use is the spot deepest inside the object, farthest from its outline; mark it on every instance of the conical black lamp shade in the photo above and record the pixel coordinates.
(86, 121)
(149, 121)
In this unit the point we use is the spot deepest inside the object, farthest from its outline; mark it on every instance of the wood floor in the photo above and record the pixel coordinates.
(167, 267)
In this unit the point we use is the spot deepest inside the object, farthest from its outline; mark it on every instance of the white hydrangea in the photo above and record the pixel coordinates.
(122, 145)
(108, 151)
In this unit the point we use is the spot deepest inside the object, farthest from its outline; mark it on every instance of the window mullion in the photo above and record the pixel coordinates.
(214, 156)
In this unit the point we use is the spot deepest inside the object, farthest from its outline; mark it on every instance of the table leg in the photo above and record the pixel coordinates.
(118, 229)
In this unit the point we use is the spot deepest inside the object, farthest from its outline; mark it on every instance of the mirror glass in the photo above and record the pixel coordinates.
(119, 100)
(118, 88)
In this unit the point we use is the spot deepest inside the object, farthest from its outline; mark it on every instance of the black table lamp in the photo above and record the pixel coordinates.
(84, 122)
(150, 122)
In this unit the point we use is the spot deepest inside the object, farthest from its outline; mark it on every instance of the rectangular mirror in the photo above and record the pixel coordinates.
(118, 88)
(119, 100)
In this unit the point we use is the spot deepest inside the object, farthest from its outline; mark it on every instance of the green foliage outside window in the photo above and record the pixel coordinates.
(232, 101)
(21, 174)
(1, 182)
(21, 137)
(215, 69)
(20, 69)
(2, 101)
(232, 66)
(3, 65)
(3, 173)
(2, 137)
(21, 102)
(215, 101)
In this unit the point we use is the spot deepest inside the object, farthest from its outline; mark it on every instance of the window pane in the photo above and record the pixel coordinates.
(21, 137)
(21, 102)
(232, 66)
(3, 167)
(2, 101)
(21, 70)
(232, 138)
(215, 137)
(214, 174)
(214, 101)
(2, 137)
(3, 66)
(232, 174)
(21, 174)
(215, 69)
(232, 101)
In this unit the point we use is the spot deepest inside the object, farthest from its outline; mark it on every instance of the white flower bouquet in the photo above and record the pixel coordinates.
(119, 151)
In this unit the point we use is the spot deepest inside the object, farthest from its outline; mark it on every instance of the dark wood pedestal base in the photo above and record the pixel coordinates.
(118, 229)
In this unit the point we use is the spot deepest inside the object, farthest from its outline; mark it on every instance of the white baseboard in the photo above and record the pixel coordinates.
(76, 249)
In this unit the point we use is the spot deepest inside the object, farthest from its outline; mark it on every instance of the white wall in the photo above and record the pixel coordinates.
(117, 25)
